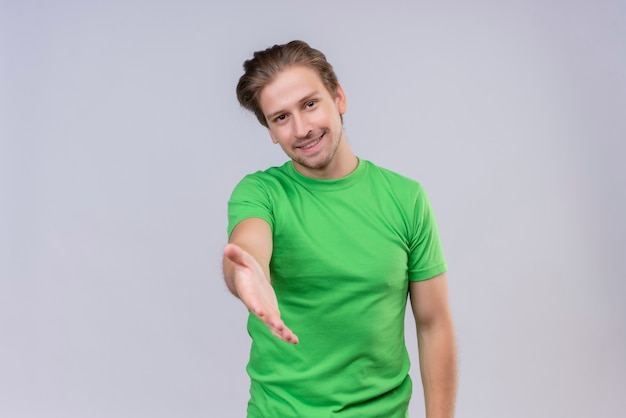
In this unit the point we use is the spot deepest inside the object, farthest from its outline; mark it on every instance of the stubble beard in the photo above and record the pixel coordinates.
(326, 160)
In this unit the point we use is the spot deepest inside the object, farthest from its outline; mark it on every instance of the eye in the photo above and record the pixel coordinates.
(280, 118)
(310, 103)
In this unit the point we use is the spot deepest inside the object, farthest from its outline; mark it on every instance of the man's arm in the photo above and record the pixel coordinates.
(436, 342)
(246, 273)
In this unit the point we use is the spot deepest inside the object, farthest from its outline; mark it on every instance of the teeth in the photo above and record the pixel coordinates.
(312, 144)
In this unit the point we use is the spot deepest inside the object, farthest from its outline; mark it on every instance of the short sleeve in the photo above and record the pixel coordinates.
(249, 199)
(426, 258)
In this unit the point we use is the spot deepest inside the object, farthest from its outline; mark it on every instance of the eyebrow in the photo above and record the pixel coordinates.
(303, 100)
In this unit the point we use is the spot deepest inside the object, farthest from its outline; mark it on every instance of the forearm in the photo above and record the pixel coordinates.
(438, 364)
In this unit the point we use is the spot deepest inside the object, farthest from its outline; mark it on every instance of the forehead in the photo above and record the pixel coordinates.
(289, 87)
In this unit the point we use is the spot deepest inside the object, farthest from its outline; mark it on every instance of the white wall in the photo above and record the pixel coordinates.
(121, 140)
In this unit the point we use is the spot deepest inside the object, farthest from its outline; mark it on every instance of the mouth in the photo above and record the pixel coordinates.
(311, 144)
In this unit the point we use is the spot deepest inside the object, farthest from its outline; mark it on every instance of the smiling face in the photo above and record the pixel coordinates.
(304, 118)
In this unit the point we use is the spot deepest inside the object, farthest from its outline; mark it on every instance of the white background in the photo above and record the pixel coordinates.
(121, 140)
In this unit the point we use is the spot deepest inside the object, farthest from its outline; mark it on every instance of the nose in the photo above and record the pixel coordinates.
(302, 127)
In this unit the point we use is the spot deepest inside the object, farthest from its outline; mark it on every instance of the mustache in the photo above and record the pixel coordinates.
(310, 136)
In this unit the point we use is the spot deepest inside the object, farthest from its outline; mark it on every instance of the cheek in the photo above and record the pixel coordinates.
(321, 118)
(281, 135)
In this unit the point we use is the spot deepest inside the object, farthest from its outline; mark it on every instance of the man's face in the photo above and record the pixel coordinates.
(304, 118)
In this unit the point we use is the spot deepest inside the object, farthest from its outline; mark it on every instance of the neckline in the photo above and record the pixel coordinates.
(328, 185)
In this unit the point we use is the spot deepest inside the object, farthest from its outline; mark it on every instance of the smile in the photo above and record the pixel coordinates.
(311, 144)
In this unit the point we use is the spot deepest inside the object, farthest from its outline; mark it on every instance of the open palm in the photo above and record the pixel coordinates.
(255, 291)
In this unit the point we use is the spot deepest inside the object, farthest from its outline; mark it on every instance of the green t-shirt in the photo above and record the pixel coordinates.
(344, 253)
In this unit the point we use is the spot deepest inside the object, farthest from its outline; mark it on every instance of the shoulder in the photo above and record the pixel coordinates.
(392, 179)
(264, 179)
(256, 196)
(267, 175)
(405, 192)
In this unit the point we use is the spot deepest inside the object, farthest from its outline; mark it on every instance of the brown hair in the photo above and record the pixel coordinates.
(266, 64)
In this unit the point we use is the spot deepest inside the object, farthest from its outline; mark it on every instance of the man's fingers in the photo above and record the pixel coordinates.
(280, 330)
(286, 336)
(291, 338)
(277, 327)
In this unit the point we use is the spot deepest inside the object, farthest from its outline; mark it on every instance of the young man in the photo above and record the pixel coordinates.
(323, 252)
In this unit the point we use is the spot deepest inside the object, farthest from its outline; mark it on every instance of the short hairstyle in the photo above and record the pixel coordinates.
(265, 65)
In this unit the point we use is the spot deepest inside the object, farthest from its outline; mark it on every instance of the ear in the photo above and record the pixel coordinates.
(274, 140)
(340, 100)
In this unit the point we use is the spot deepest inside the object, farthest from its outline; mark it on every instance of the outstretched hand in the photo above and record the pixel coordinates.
(256, 292)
